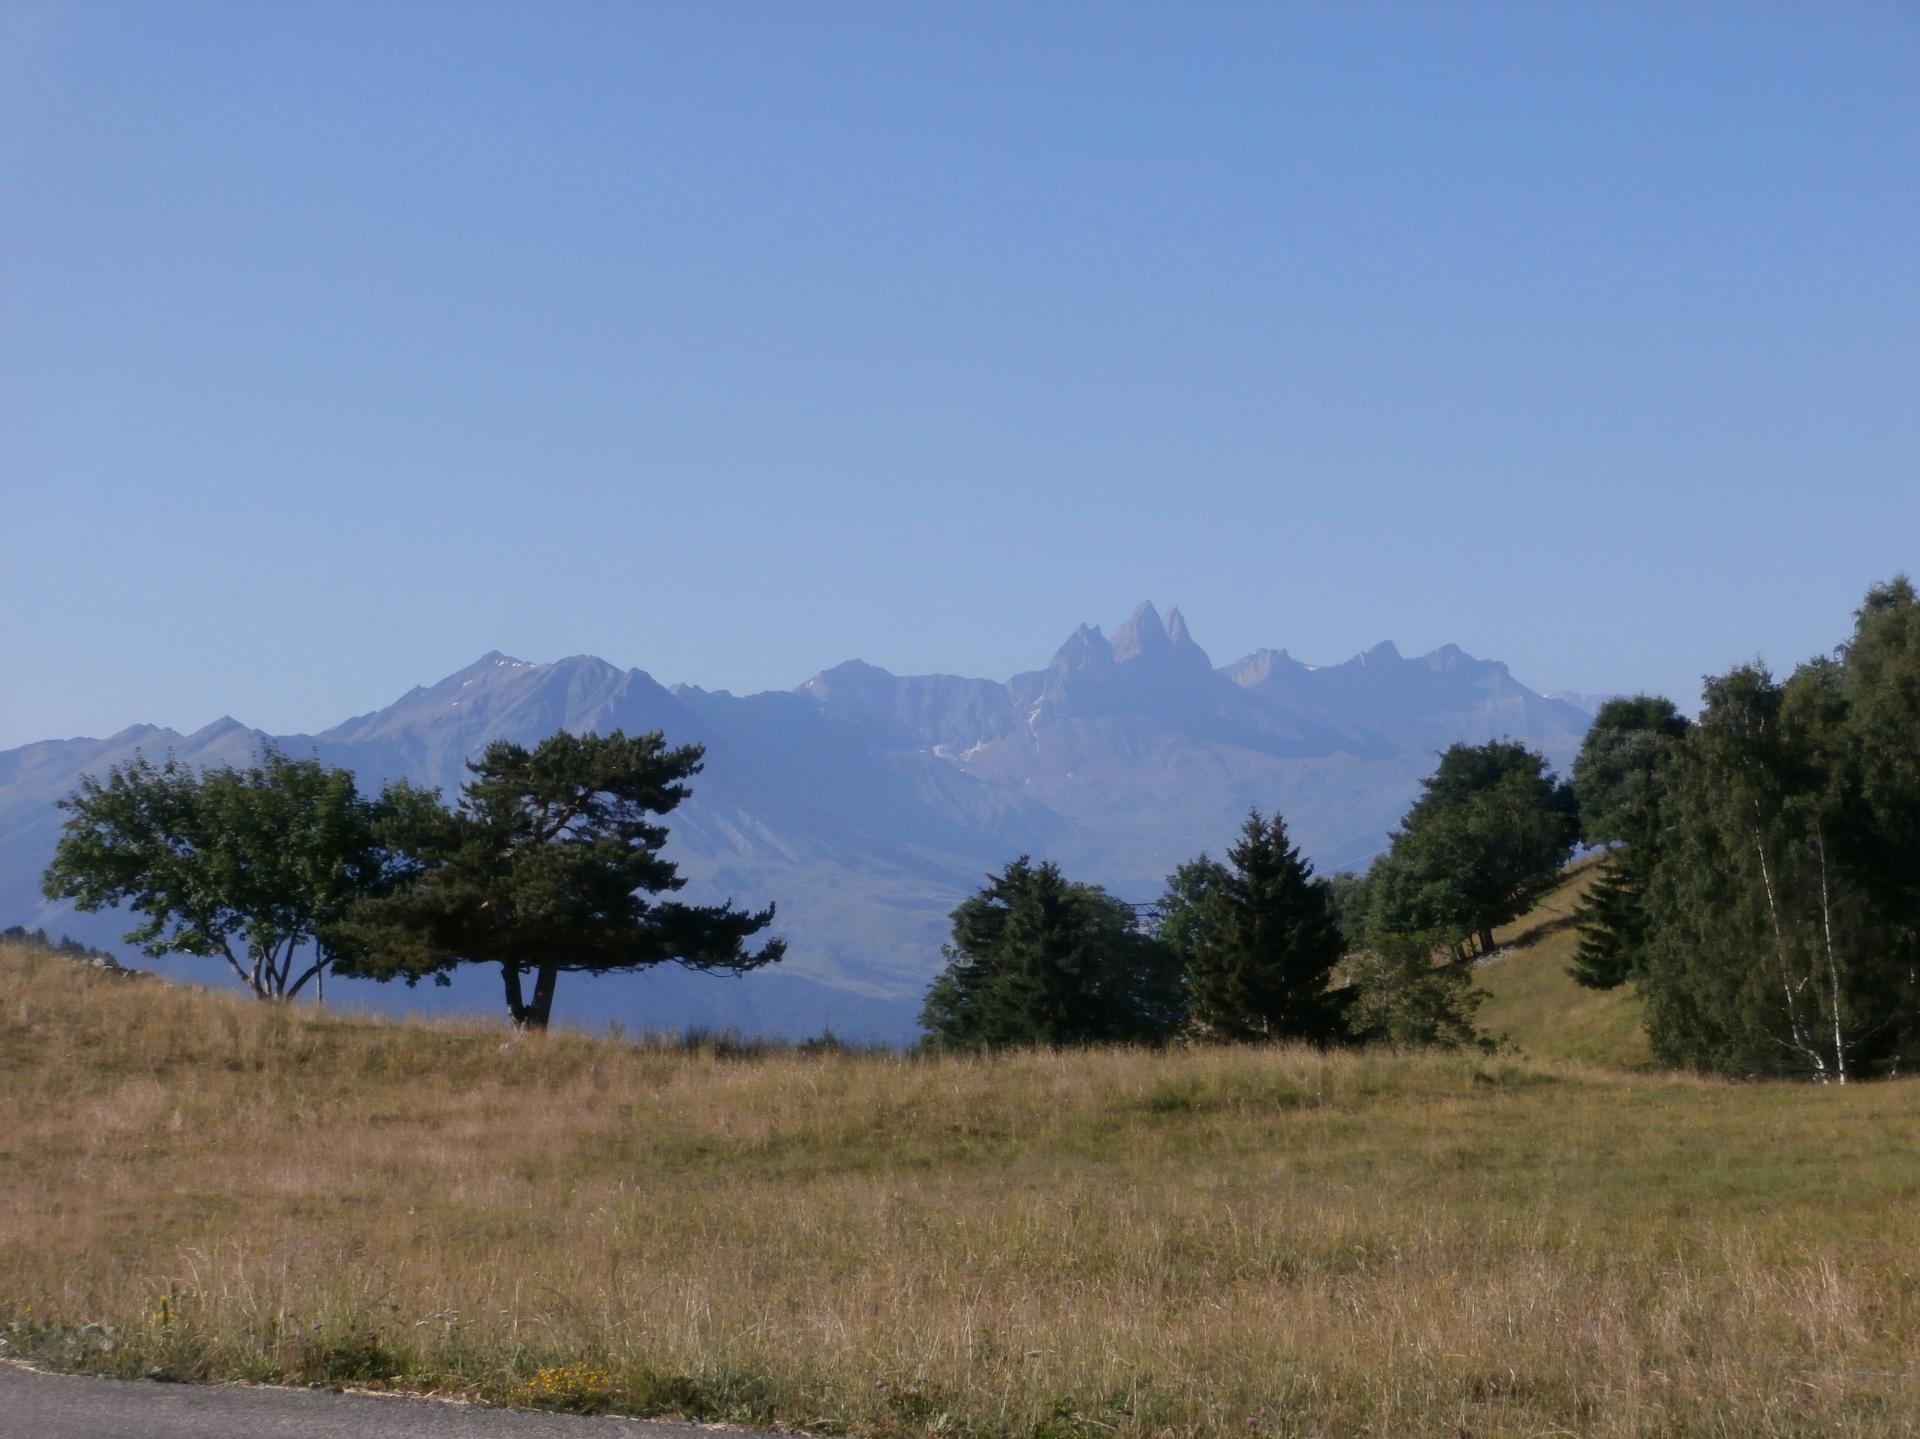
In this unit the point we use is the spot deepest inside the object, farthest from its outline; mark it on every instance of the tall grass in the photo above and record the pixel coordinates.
(1205, 1243)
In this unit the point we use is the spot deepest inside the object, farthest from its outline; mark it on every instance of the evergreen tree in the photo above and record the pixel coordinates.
(1489, 834)
(1038, 960)
(1256, 938)
(1617, 782)
(549, 866)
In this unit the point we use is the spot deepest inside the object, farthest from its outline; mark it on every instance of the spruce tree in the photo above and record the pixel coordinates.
(1257, 939)
(1036, 959)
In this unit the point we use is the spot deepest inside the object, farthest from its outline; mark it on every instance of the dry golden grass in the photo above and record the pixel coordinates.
(1208, 1243)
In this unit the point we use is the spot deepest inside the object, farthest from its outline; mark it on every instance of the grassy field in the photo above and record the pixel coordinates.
(1543, 1013)
(1208, 1243)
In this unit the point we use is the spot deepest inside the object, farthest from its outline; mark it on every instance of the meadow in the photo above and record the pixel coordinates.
(1254, 1242)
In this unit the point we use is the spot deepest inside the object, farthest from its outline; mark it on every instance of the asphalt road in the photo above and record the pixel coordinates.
(61, 1406)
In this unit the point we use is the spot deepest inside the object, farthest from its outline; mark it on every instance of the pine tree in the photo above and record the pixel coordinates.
(1256, 938)
(550, 866)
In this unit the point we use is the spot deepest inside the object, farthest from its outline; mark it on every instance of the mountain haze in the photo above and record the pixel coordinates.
(867, 804)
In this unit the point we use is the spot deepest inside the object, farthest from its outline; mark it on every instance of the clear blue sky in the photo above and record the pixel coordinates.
(342, 343)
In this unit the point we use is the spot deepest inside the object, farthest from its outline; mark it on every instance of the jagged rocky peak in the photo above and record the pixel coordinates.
(1264, 665)
(1086, 648)
(1147, 636)
(1384, 653)
(1143, 633)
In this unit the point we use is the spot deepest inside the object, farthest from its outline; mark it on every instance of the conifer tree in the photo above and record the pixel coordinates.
(1256, 938)
(1036, 959)
(550, 866)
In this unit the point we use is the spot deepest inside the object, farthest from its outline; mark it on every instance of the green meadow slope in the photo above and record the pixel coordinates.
(1537, 1008)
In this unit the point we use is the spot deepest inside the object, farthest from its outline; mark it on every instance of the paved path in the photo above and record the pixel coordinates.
(61, 1406)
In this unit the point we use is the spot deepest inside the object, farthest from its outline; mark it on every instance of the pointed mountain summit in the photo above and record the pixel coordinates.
(1177, 632)
(1383, 654)
(1163, 644)
(1143, 633)
(1086, 649)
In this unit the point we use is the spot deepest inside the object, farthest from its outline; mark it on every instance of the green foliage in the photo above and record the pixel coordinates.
(1488, 835)
(1256, 938)
(1612, 921)
(1619, 780)
(549, 866)
(1616, 777)
(1782, 913)
(1038, 960)
(258, 866)
(1350, 895)
(1403, 996)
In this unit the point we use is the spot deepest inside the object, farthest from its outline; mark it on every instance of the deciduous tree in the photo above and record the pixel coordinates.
(256, 866)
(1782, 917)
(1618, 781)
(1489, 834)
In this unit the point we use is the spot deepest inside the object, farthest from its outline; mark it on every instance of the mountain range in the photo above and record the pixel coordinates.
(867, 804)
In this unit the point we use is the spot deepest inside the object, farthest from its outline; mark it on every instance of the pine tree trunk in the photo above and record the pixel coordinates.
(542, 1007)
(1486, 939)
(516, 1003)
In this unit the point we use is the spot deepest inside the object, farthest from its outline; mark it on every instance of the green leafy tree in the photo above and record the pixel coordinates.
(1036, 959)
(1256, 938)
(1489, 834)
(256, 866)
(551, 865)
(1782, 912)
(1351, 896)
(1618, 782)
(1881, 777)
(1403, 994)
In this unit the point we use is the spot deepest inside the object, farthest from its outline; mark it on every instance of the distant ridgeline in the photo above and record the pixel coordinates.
(65, 944)
(868, 804)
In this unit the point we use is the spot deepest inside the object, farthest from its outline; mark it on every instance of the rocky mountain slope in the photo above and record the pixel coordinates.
(867, 804)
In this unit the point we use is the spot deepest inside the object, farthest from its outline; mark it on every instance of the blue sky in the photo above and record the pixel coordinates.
(342, 343)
